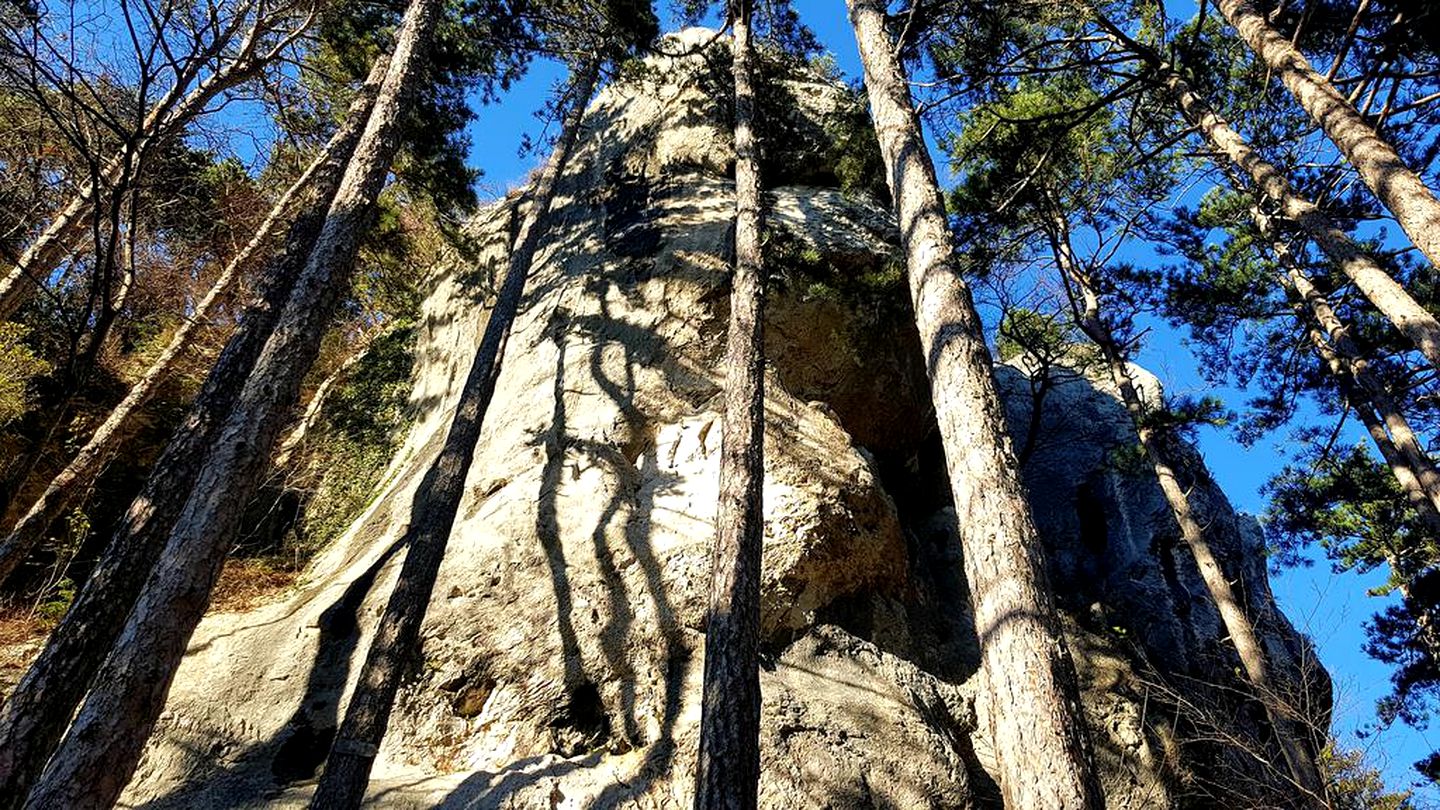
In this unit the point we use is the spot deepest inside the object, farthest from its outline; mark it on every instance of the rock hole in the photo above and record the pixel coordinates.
(302, 754)
(471, 698)
(581, 725)
(1090, 510)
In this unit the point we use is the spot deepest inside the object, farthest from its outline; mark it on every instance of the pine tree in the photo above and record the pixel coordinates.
(1083, 291)
(28, 530)
(347, 769)
(1394, 184)
(1409, 317)
(1029, 678)
(728, 771)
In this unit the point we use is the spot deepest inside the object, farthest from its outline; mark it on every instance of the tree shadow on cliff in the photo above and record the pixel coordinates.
(298, 749)
(632, 498)
(637, 537)
(312, 727)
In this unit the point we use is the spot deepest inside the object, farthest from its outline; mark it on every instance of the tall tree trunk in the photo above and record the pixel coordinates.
(87, 463)
(397, 638)
(1032, 694)
(34, 718)
(1386, 294)
(1397, 187)
(1085, 304)
(1411, 466)
(728, 771)
(1414, 471)
(98, 754)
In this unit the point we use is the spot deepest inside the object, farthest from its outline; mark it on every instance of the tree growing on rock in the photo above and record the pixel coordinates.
(728, 772)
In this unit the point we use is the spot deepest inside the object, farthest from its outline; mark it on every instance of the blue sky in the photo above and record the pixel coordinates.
(1330, 607)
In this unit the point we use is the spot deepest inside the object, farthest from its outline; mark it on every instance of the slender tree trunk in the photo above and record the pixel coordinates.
(397, 639)
(34, 718)
(1085, 303)
(1411, 466)
(98, 754)
(29, 530)
(111, 280)
(1397, 187)
(1387, 295)
(1420, 480)
(45, 253)
(316, 406)
(1330, 337)
(1035, 712)
(728, 771)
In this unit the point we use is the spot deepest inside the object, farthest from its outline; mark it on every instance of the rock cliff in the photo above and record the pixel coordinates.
(562, 650)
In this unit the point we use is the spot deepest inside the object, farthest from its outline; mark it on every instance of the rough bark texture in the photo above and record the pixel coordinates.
(1290, 734)
(1397, 187)
(35, 717)
(728, 770)
(86, 464)
(1389, 428)
(98, 755)
(1388, 296)
(1027, 669)
(397, 641)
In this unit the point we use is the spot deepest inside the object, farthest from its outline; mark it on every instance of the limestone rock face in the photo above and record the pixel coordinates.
(562, 649)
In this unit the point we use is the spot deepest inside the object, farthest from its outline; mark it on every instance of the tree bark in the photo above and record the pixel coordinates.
(1034, 700)
(397, 638)
(98, 755)
(728, 769)
(35, 717)
(1411, 466)
(1395, 185)
(1388, 296)
(1085, 305)
(86, 464)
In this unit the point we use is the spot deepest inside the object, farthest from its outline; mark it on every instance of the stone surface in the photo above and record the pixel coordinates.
(562, 650)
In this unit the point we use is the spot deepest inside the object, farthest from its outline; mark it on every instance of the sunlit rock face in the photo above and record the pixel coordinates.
(562, 649)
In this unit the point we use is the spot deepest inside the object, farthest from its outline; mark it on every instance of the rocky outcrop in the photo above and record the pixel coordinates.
(562, 650)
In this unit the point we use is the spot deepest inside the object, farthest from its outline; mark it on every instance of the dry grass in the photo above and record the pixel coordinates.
(250, 583)
(19, 624)
(243, 585)
(22, 631)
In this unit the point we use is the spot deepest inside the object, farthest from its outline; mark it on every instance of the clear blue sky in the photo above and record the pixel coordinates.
(1330, 607)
